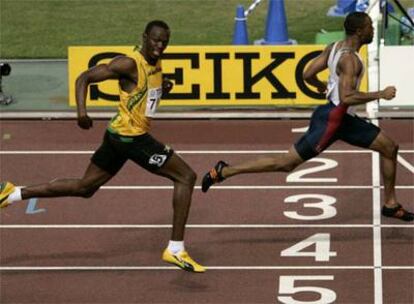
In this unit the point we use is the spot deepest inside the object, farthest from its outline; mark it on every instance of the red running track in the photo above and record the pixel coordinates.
(361, 257)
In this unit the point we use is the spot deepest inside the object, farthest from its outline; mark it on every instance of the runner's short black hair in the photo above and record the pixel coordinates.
(154, 23)
(354, 21)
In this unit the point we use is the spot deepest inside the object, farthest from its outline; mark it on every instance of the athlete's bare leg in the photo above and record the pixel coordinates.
(184, 179)
(388, 151)
(279, 162)
(86, 186)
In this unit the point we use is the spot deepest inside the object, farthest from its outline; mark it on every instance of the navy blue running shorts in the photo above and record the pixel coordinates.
(144, 150)
(330, 123)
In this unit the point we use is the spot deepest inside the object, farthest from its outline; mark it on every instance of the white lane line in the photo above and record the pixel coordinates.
(126, 268)
(246, 187)
(193, 226)
(242, 187)
(26, 152)
(376, 214)
(405, 163)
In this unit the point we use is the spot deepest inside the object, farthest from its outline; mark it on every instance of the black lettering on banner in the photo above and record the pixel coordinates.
(266, 72)
(299, 75)
(217, 76)
(178, 77)
(94, 91)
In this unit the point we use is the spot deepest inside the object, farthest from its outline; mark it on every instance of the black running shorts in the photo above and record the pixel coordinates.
(144, 150)
(348, 128)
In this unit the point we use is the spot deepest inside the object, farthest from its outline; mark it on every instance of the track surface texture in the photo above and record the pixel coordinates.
(311, 236)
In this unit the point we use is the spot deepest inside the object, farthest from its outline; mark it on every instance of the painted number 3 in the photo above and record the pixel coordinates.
(324, 204)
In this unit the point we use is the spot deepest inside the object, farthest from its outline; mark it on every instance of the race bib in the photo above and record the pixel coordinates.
(153, 99)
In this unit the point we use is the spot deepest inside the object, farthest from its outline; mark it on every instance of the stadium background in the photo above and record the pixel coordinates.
(51, 251)
(35, 38)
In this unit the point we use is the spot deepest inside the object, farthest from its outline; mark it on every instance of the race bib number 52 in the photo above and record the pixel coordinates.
(153, 99)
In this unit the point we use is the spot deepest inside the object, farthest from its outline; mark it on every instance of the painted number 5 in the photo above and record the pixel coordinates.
(287, 287)
(325, 205)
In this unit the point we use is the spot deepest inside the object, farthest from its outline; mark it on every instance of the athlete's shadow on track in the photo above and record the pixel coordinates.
(190, 282)
(398, 235)
(130, 242)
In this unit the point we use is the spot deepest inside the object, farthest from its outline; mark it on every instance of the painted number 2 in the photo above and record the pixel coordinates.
(298, 176)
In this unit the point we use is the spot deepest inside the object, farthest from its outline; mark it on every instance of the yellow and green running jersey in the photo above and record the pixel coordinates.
(136, 108)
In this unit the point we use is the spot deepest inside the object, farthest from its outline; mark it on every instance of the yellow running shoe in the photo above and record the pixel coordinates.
(6, 188)
(182, 260)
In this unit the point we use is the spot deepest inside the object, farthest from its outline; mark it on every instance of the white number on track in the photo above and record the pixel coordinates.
(322, 251)
(287, 287)
(325, 204)
(297, 177)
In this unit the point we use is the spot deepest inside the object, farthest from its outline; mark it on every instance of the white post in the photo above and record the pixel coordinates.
(373, 59)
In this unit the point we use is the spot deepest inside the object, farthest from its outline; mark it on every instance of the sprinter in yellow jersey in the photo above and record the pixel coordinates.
(141, 86)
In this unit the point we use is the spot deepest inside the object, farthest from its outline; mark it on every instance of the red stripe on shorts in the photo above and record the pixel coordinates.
(334, 121)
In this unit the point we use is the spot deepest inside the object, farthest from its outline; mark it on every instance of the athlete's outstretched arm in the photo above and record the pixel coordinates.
(317, 65)
(118, 67)
(349, 68)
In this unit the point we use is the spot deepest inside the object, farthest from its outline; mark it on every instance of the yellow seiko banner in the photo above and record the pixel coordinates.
(215, 75)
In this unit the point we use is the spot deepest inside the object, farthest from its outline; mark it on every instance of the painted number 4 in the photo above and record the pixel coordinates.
(321, 253)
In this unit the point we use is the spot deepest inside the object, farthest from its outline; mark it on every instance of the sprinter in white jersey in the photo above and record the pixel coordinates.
(334, 120)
